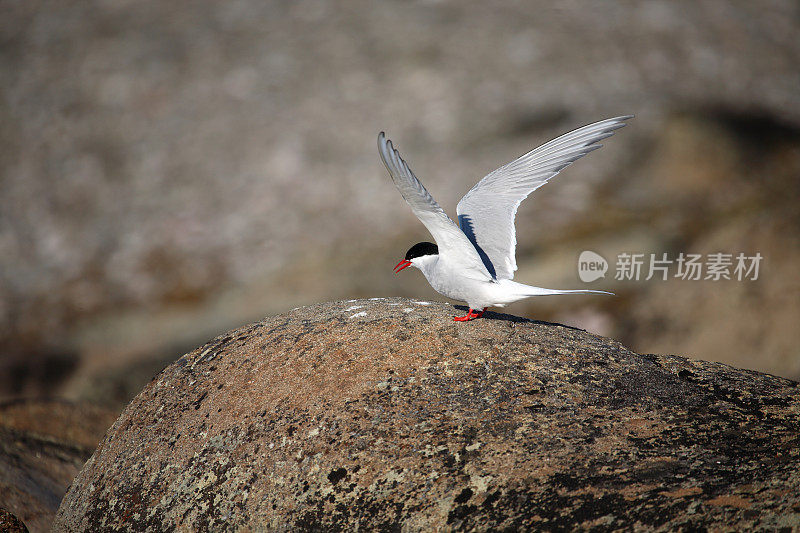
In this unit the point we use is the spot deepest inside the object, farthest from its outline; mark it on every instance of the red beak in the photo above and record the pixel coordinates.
(401, 265)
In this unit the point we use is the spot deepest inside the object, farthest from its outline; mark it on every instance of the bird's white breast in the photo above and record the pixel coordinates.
(453, 281)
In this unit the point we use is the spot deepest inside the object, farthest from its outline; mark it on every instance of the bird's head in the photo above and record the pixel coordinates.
(417, 255)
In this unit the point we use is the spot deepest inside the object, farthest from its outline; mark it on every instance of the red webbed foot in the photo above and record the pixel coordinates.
(470, 315)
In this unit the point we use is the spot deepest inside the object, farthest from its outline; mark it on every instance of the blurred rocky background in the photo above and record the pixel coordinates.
(171, 170)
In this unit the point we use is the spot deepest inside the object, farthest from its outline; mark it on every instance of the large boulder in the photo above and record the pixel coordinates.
(386, 414)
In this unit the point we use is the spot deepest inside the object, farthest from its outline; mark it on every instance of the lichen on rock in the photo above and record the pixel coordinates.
(363, 415)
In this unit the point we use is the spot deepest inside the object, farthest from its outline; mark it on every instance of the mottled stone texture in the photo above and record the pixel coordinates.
(10, 523)
(387, 414)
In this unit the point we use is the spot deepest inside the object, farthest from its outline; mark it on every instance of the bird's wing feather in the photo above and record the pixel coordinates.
(486, 213)
(449, 238)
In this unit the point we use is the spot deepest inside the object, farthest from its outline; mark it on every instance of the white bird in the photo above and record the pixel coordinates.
(474, 261)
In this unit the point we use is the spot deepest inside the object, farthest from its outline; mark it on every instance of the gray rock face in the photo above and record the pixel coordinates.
(387, 414)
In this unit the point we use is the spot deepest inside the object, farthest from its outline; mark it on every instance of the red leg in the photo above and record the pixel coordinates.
(464, 318)
(470, 315)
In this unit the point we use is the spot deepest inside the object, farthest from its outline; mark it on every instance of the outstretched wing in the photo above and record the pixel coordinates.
(449, 238)
(486, 213)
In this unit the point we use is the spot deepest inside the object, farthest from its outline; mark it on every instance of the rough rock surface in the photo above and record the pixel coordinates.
(43, 444)
(387, 414)
(10, 523)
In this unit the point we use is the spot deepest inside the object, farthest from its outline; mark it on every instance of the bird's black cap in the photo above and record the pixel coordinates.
(420, 249)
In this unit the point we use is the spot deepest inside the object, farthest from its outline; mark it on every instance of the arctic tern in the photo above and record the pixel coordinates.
(474, 261)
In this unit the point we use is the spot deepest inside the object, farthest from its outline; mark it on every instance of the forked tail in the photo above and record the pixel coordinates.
(539, 291)
(528, 290)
